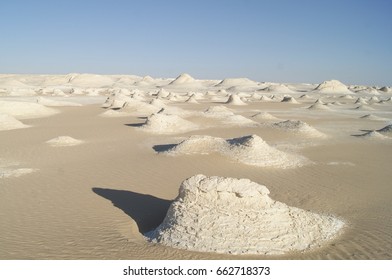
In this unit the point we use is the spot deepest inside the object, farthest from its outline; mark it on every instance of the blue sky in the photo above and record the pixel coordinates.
(280, 41)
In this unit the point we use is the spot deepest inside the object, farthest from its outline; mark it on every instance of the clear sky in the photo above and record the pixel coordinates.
(264, 40)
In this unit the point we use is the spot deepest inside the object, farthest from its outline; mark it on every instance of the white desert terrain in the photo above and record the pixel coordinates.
(129, 167)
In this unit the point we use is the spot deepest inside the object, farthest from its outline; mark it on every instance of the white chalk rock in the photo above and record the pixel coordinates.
(236, 216)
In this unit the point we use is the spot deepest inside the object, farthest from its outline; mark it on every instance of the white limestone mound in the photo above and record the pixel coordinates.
(25, 110)
(192, 99)
(264, 116)
(361, 100)
(234, 99)
(305, 96)
(54, 103)
(373, 135)
(253, 150)
(158, 103)
(373, 117)
(90, 80)
(277, 98)
(319, 106)
(289, 99)
(137, 107)
(8, 122)
(347, 96)
(198, 144)
(374, 99)
(337, 103)
(9, 172)
(161, 123)
(369, 90)
(332, 86)
(237, 216)
(182, 79)
(218, 112)
(64, 141)
(386, 89)
(117, 103)
(250, 150)
(363, 108)
(280, 88)
(386, 130)
(255, 96)
(239, 120)
(265, 98)
(108, 102)
(299, 127)
(162, 93)
(230, 82)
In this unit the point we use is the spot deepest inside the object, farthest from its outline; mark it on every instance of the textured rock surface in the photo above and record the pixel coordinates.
(236, 216)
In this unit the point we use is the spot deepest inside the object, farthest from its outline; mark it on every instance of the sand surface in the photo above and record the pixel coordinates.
(96, 200)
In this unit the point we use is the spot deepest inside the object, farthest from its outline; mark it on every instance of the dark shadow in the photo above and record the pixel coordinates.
(163, 148)
(147, 211)
(135, 124)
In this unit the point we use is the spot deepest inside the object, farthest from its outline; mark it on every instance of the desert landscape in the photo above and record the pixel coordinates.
(130, 167)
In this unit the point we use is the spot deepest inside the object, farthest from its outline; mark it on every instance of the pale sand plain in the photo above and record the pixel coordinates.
(95, 194)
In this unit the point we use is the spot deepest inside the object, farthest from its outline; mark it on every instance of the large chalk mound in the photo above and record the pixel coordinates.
(236, 216)
(250, 150)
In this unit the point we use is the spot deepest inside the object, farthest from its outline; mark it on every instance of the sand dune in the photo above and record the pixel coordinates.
(25, 110)
(236, 216)
(8, 122)
(50, 102)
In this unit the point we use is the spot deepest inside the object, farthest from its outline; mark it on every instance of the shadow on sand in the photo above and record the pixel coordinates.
(147, 211)
(163, 148)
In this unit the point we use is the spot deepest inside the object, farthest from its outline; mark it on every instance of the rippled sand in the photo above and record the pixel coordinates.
(92, 201)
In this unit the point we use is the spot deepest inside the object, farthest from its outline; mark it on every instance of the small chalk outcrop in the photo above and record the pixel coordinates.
(64, 141)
